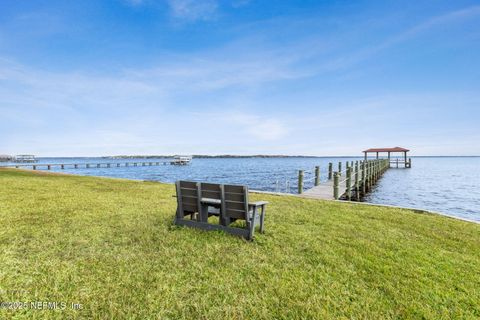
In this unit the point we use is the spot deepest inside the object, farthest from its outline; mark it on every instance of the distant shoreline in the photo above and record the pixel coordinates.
(231, 156)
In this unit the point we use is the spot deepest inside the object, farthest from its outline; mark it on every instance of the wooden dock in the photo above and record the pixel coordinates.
(352, 183)
(323, 190)
(49, 166)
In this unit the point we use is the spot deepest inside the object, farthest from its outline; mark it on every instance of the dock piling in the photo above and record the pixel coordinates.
(300, 181)
(363, 177)
(357, 182)
(349, 183)
(317, 175)
(336, 180)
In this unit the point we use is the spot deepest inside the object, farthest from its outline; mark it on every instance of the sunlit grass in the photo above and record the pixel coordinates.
(109, 245)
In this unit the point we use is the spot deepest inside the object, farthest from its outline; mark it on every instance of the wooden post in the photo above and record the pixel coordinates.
(357, 182)
(370, 174)
(410, 162)
(300, 181)
(340, 168)
(336, 179)
(48, 167)
(317, 175)
(349, 183)
(405, 158)
(330, 171)
(62, 166)
(75, 166)
(34, 167)
(363, 177)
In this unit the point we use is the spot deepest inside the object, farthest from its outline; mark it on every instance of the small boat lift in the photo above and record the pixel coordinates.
(181, 160)
(25, 158)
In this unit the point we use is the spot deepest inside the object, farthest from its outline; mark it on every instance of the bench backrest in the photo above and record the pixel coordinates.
(210, 190)
(235, 201)
(187, 197)
(234, 198)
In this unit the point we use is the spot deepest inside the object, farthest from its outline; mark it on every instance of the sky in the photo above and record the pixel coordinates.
(322, 78)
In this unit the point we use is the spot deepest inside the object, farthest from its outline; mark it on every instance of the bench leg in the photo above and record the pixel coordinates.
(262, 219)
(251, 224)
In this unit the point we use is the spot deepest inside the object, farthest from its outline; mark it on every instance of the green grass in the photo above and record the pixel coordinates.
(110, 245)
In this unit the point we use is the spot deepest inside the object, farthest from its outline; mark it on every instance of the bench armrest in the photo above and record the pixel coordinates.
(257, 204)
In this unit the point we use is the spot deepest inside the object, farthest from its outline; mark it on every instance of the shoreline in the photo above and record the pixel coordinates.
(415, 209)
(260, 156)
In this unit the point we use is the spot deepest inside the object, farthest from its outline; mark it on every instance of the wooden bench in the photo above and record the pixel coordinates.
(197, 201)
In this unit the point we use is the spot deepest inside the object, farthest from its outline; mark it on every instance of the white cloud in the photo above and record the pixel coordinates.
(260, 127)
(193, 9)
(408, 34)
(140, 111)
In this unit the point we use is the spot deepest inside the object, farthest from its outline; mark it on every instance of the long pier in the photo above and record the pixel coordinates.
(49, 166)
(351, 183)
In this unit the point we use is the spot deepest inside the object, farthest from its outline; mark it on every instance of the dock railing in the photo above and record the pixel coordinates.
(351, 183)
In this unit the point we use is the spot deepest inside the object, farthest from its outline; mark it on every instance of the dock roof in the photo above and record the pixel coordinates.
(396, 149)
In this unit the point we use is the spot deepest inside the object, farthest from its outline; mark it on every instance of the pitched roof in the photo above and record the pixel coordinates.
(396, 149)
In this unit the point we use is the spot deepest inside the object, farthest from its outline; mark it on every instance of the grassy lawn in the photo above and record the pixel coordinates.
(110, 245)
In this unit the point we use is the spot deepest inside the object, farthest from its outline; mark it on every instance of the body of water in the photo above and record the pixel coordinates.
(450, 185)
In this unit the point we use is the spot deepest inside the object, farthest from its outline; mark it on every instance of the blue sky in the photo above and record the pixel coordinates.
(89, 78)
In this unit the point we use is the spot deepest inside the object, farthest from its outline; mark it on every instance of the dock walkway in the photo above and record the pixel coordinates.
(351, 183)
(324, 190)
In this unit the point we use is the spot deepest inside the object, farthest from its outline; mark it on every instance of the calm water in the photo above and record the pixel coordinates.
(443, 184)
